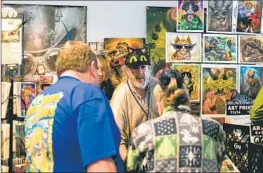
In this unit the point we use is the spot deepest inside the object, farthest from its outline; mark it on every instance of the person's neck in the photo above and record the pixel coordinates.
(74, 74)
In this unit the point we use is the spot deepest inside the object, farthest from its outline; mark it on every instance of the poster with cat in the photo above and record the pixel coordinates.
(183, 47)
(219, 48)
(250, 49)
(117, 49)
(249, 17)
(190, 16)
(217, 84)
(219, 16)
(251, 80)
(159, 20)
(191, 79)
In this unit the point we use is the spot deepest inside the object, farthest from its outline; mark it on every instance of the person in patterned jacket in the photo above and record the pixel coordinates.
(176, 141)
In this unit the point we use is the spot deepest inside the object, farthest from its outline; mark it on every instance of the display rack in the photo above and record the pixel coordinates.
(11, 117)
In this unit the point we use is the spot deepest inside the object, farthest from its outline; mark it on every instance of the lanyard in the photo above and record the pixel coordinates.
(148, 100)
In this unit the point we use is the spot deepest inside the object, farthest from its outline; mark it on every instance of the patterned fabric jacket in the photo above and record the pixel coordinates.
(177, 142)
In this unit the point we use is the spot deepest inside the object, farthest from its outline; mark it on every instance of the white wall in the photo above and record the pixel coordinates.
(111, 18)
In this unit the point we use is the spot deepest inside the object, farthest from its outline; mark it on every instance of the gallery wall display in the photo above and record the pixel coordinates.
(159, 21)
(47, 27)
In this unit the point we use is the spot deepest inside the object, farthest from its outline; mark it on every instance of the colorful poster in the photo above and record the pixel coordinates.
(251, 79)
(25, 92)
(159, 21)
(46, 28)
(249, 17)
(116, 49)
(183, 47)
(218, 82)
(190, 15)
(219, 48)
(250, 49)
(191, 79)
(219, 18)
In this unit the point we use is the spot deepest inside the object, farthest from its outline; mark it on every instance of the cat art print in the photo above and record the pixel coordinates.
(190, 15)
(249, 17)
(250, 49)
(219, 48)
(190, 79)
(183, 47)
(219, 18)
(251, 80)
(218, 82)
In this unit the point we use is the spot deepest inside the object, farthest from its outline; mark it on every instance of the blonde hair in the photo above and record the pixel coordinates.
(74, 55)
(105, 65)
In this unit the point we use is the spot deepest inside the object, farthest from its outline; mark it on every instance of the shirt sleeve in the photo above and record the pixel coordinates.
(117, 105)
(95, 131)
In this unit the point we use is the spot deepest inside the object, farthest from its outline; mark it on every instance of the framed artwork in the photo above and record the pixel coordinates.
(12, 40)
(190, 16)
(251, 80)
(116, 49)
(191, 79)
(218, 82)
(183, 47)
(159, 20)
(220, 16)
(250, 49)
(46, 28)
(219, 48)
(249, 14)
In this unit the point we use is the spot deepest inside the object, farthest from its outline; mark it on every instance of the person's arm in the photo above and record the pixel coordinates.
(104, 165)
(96, 136)
(121, 119)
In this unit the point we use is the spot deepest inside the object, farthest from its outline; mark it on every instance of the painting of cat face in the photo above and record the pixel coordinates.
(183, 47)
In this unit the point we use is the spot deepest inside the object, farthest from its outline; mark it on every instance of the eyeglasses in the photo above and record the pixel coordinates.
(181, 46)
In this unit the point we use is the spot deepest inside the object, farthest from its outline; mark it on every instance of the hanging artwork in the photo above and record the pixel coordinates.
(250, 49)
(251, 80)
(116, 50)
(218, 82)
(191, 79)
(190, 15)
(219, 18)
(46, 28)
(11, 40)
(219, 48)
(249, 17)
(183, 47)
(159, 21)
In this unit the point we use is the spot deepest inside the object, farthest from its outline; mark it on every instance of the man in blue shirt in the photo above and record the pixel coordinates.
(70, 127)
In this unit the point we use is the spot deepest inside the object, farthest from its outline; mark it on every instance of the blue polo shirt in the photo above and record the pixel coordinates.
(69, 126)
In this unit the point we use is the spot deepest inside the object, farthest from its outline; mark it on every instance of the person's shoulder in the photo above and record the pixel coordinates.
(144, 128)
(210, 121)
(88, 90)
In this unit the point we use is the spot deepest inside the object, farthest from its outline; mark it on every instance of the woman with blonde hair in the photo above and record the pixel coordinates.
(176, 141)
(103, 77)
